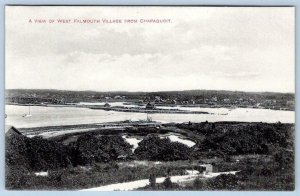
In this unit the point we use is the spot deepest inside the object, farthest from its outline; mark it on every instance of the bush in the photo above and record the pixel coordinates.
(16, 151)
(244, 138)
(15, 176)
(168, 183)
(91, 149)
(223, 182)
(156, 149)
(152, 180)
(285, 159)
(199, 184)
(44, 154)
(36, 153)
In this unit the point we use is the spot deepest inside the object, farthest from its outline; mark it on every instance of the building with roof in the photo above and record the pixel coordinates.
(106, 105)
(208, 168)
(150, 105)
(11, 130)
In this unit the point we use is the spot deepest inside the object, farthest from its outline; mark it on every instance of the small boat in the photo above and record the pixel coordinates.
(27, 115)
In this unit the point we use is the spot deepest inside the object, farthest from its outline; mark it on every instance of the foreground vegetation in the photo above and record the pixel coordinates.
(262, 152)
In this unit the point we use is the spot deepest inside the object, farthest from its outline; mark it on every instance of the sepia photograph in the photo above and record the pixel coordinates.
(150, 98)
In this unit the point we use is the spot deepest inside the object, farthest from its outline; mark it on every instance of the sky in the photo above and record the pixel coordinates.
(213, 48)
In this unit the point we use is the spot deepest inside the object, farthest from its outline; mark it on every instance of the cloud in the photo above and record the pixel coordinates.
(210, 48)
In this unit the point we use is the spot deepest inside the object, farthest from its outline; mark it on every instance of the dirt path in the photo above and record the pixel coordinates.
(128, 186)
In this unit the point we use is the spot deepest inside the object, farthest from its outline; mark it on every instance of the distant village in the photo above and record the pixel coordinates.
(211, 99)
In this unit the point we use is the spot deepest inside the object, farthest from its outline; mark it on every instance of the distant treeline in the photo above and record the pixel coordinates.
(60, 96)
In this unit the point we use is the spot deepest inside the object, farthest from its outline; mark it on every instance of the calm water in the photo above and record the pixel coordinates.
(50, 116)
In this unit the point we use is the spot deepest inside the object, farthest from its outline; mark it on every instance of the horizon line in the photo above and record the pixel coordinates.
(150, 91)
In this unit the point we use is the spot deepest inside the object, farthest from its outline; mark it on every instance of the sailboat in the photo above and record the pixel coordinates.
(27, 115)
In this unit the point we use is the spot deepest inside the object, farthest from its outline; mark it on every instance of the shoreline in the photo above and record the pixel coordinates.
(126, 109)
(121, 127)
(150, 111)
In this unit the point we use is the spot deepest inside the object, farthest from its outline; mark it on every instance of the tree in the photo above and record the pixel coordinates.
(152, 180)
(168, 183)
(91, 149)
(161, 149)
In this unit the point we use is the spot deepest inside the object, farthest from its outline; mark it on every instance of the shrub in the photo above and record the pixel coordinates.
(152, 180)
(223, 181)
(36, 153)
(44, 154)
(168, 183)
(199, 184)
(16, 151)
(91, 149)
(161, 149)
